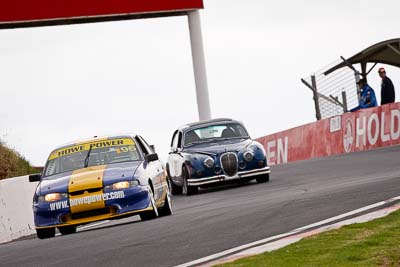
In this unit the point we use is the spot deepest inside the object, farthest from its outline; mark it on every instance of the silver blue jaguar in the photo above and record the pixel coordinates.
(212, 152)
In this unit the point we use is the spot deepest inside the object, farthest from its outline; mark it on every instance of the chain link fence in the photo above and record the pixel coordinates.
(335, 93)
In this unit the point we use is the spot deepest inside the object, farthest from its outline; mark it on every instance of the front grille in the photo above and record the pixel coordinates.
(81, 192)
(87, 214)
(229, 163)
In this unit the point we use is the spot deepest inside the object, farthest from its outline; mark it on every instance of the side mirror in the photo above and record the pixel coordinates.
(153, 148)
(151, 157)
(35, 177)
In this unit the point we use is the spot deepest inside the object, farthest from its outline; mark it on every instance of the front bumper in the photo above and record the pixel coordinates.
(136, 200)
(223, 177)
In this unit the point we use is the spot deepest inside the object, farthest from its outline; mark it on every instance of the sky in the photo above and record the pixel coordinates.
(59, 84)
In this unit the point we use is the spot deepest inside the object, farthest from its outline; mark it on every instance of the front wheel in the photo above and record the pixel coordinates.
(187, 189)
(45, 233)
(262, 178)
(167, 208)
(150, 214)
(67, 230)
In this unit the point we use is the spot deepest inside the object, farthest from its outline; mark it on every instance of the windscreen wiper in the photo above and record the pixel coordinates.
(86, 163)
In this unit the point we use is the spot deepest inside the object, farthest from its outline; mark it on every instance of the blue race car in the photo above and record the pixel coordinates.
(213, 152)
(99, 179)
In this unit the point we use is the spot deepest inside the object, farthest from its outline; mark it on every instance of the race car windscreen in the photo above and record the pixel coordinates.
(91, 154)
(215, 133)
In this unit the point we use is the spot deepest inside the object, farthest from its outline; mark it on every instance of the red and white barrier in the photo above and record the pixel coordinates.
(358, 131)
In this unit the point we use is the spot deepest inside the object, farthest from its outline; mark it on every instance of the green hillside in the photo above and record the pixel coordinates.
(12, 164)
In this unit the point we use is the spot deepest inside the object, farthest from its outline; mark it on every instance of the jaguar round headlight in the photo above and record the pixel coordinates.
(209, 163)
(248, 155)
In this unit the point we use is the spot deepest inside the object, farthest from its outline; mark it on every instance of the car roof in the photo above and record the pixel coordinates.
(96, 138)
(205, 123)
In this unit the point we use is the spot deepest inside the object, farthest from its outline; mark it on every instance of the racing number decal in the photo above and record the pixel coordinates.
(126, 149)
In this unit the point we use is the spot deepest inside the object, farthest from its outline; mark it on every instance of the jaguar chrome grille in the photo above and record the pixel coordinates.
(229, 163)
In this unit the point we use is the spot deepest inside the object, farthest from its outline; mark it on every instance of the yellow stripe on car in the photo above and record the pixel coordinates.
(82, 185)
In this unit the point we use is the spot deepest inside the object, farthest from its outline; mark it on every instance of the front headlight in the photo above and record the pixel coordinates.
(122, 185)
(248, 155)
(52, 197)
(209, 162)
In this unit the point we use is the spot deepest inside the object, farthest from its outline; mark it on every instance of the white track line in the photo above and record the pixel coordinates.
(88, 226)
(369, 207)
(281, 236)
(295, 238)
(92, 225)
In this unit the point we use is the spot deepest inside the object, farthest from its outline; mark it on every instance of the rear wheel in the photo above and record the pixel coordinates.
(187, 189)
(46, 233)
(150, 214)
(263, 178)
(67, 230)
(167, 208)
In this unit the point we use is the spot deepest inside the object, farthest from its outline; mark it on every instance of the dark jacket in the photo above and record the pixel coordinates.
(387, 91)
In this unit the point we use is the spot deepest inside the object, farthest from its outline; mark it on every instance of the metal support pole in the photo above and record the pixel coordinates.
(199, 65)
(344, 101)
(316, 97)
(364, 71)
(357, 75)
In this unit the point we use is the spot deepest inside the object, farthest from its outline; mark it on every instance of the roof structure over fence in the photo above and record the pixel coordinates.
(335, 89)
(387, 52)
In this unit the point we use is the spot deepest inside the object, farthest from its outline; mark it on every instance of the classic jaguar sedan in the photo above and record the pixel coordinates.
(213, 152)
(99, 179)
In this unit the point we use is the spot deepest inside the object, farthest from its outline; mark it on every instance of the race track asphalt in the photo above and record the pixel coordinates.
(298, 194)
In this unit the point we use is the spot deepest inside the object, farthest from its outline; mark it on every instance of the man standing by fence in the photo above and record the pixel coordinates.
(367, 98)
(387, 88)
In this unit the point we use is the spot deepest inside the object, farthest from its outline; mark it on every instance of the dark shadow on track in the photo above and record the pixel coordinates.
(222, 187)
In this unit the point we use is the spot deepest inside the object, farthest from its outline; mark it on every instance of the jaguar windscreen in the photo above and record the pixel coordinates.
(215, 132)
(92, 153)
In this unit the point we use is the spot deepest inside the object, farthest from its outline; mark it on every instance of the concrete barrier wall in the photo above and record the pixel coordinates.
(351, 132)
(16, 216)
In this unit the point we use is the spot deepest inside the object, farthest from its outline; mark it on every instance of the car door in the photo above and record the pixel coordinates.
(155, 172)
(175, 159)
(171, 156)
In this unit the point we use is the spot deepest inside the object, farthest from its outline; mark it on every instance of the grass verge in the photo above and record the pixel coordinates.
(375, 243)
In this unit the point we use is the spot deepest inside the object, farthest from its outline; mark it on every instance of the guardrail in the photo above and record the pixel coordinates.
(16, 215)
(351, 132)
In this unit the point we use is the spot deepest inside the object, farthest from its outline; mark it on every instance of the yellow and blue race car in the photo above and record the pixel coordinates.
(99, 179)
